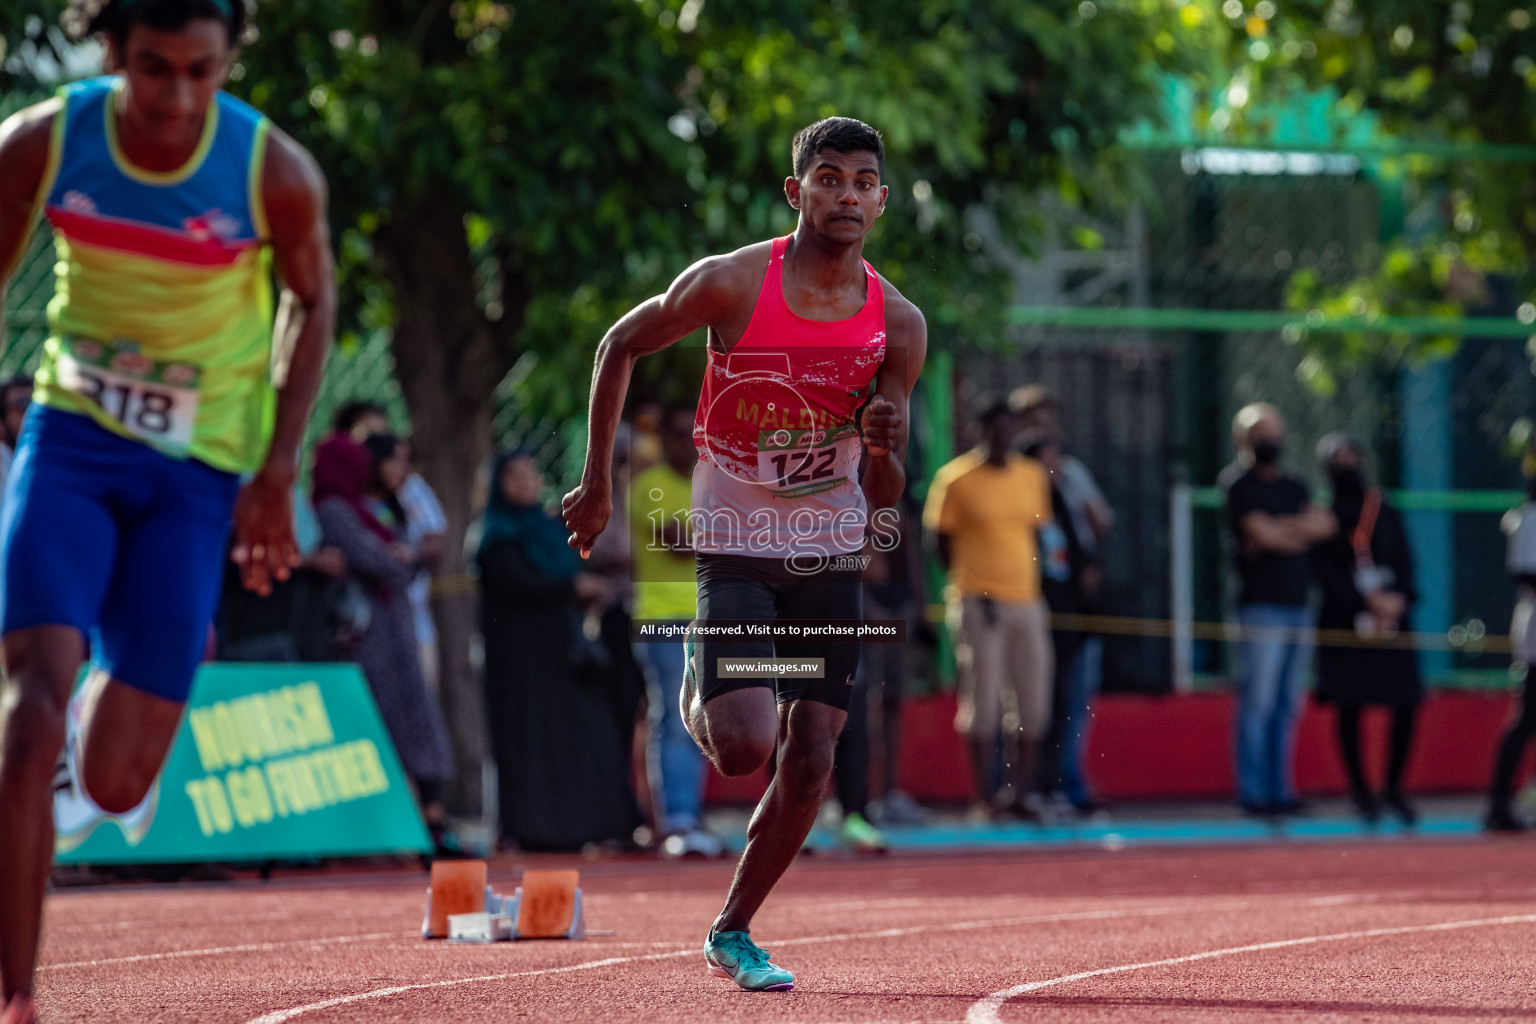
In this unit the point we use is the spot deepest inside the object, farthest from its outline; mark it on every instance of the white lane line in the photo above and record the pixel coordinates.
(222, 923)
(280, 1016)
(259, 947)
(985, 1010)
(250, 947)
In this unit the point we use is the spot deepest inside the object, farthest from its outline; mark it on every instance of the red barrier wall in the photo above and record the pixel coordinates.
(1181, 747)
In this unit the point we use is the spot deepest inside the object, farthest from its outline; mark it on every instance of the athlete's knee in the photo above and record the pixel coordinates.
(34, 729)
(740, 753)
(120, 790)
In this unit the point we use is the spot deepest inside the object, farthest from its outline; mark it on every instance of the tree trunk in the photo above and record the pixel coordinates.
(449, 360)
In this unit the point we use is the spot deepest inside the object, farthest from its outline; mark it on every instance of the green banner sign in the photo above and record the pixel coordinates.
(272, 762)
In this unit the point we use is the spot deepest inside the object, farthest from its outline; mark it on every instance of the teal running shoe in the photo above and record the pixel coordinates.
(734, 955)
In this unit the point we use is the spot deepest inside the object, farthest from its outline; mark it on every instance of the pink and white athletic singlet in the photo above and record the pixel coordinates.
(778, 447)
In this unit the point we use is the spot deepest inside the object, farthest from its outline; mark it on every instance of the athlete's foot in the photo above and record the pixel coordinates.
(734, 955)
(20, 1010)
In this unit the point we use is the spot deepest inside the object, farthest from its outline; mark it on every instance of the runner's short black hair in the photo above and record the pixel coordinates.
(114, 18)
(842, 134)
(347, 416)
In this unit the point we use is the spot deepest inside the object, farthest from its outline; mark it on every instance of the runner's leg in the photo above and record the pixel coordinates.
(788, 810)
(735, 721)
(58, 540)
(812, 713)
(41, 664)
(124, 737)
(154, 626)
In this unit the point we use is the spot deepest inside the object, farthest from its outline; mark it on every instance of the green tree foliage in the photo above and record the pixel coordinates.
(33, 51)
(593, 152)
(1455, 83)
(508, 178)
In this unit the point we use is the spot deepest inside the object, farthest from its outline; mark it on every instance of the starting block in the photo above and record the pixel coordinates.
(461, 907)
(458, 887)
(548, 906)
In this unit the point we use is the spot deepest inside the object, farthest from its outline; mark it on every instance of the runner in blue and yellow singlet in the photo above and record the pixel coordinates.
(170, 203)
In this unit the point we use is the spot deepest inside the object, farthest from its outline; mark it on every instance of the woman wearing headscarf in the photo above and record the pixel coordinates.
(1366, 574)
(349, 499)
(562, 751)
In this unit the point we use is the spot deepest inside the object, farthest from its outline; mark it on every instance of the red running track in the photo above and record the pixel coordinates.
(1386, 932)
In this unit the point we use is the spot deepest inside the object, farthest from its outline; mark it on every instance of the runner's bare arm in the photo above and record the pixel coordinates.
(886, 422)
(294, 195)
(704, 295)
(23, 162)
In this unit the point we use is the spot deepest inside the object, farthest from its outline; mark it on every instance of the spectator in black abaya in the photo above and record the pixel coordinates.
(562, 753)
(1366, 574)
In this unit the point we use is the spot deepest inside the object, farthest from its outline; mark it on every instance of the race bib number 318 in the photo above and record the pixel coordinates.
(153, 401)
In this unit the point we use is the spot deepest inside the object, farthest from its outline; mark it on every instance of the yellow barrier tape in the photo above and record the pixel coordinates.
(1458, 638)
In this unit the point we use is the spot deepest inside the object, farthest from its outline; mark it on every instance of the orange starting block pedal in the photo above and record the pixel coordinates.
(462, 908)
(458, 887)
(547, 906)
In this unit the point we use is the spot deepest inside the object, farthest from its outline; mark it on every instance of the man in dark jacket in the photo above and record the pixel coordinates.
(1274, 525)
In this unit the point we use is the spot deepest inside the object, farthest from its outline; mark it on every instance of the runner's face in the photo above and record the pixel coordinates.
(840, 195)
(172, 78)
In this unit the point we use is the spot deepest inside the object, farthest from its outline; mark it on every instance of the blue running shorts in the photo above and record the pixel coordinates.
(123, 543)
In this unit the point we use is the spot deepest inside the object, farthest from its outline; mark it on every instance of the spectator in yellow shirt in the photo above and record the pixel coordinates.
(659, 502)
(983, 511)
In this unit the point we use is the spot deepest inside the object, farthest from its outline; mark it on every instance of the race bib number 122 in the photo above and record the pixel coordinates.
(799, 463)
(153, 401)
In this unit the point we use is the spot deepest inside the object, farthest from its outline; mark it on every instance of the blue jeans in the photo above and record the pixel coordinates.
(673, 761)
(1269, 703)
(1082, 687)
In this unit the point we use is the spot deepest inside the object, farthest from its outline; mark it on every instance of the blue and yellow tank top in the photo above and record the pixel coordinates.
(161, 320)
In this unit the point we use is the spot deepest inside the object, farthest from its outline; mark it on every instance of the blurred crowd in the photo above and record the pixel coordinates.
(574, 705)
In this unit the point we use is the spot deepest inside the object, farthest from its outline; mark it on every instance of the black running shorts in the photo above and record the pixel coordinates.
(735, 588)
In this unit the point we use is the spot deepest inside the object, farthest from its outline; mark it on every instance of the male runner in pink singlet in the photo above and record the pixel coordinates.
(802, 426)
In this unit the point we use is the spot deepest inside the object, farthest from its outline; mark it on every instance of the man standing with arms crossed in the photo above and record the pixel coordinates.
(1274, 527)
(155, 394)
(803, 334)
